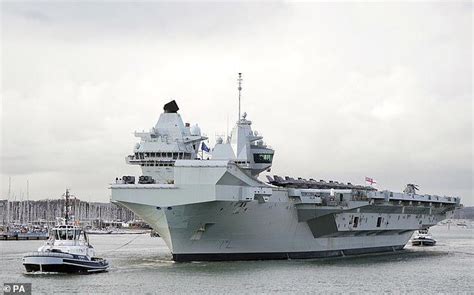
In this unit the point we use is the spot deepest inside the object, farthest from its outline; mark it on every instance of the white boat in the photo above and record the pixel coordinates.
(422, 238)
(67, 250)
(99, 231)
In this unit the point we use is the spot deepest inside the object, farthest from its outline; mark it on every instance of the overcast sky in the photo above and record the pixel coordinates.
(340, 91)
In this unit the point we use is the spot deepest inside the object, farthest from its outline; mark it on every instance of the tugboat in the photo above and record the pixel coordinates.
(67, 250)
(423, 239)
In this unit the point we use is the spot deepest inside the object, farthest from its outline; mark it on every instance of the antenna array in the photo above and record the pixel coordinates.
(240, 89)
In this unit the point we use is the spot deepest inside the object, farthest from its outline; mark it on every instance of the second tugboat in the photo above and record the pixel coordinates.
(67, 250)
(423, 238)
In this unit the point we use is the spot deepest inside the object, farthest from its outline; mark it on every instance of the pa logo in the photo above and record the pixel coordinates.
(17, 288)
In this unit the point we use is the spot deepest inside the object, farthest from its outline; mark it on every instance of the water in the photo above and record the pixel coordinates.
(144, 266)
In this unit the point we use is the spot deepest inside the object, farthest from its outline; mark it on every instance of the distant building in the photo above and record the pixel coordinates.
(464, 213)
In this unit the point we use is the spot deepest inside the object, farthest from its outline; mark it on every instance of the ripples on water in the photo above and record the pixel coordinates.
(145, 266)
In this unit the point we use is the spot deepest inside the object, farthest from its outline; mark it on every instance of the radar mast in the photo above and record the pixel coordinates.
(240, 90)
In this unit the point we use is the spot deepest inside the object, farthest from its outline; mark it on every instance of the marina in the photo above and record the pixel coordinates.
(31, 220)
(23, 236)
(39, 213)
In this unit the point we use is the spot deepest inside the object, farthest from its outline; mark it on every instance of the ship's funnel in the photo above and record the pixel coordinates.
(171, 107)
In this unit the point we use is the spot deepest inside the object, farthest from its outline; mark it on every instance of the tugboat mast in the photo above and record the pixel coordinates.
(66, 215)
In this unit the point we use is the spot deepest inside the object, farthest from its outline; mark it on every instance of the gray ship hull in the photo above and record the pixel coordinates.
(281, 255)
(214, 231)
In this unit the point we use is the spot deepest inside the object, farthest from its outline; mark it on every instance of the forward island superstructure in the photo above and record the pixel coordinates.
(214, 206)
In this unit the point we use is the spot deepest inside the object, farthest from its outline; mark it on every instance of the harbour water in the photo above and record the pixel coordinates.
(141, 264)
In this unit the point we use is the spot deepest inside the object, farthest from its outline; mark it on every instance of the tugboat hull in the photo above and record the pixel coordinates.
(46, 262)
(423, 242)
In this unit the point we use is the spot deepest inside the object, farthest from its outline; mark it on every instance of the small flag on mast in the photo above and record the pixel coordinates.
(370, 181)
(205, 148)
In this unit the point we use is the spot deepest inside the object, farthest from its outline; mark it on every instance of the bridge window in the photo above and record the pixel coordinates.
(262, 158)
(379, 221)
(175, 156)
(356, 222)
(64, 234)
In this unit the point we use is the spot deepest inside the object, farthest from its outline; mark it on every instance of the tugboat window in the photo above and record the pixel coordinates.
(62, 234)
(262, 158)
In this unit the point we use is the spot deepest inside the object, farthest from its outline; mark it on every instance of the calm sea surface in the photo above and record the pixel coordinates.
(144, 266)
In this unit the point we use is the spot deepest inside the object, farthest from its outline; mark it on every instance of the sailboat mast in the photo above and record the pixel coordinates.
(27, 201)
(8, 199)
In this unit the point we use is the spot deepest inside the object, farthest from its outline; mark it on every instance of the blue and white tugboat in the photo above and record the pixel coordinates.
(67, 250)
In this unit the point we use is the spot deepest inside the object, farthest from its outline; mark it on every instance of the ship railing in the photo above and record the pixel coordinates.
(143, 186)
(388, 195)
(133, 159)
(49, 254)
(359, 198)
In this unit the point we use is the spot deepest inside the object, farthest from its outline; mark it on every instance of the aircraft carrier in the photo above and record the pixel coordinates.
(209, 203)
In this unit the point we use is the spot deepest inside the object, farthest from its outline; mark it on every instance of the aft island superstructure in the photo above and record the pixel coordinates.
(214, 206)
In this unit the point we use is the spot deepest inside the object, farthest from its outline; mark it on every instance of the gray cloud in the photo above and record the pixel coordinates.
(341, 91)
